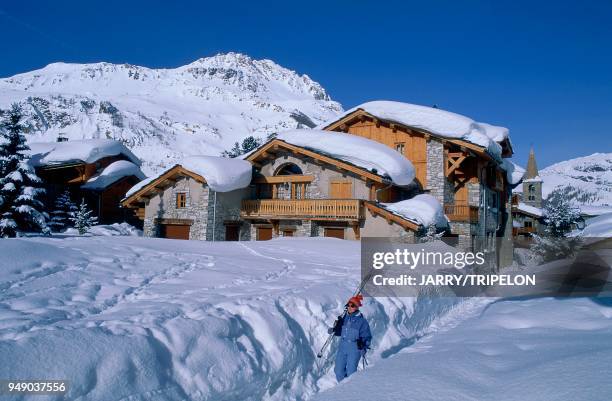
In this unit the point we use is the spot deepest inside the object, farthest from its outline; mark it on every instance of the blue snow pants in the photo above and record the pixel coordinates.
(347, 359)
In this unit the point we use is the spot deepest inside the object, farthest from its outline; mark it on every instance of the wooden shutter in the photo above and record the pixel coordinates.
(340, 190)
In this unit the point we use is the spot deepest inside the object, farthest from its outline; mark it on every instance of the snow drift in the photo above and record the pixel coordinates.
(153, 319)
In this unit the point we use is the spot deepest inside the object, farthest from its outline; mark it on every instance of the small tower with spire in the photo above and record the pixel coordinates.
(532, 183)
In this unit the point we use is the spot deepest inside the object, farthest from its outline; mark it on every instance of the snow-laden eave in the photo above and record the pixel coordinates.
(251, 156)
(385, 179)
(495, 139)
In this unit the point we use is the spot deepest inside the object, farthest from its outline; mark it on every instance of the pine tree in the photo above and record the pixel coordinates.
(64, 209)
(20, 209)
(560, 217)
(83, 219)
(248, 144)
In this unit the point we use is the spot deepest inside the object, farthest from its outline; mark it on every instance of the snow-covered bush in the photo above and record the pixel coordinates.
(20, 187)
(83, 219)
(63, 210)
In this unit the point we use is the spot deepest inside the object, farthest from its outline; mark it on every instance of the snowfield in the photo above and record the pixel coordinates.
(132, 318)
(154, 319)
(537, 350)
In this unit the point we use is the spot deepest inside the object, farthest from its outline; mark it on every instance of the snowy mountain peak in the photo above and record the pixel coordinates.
(163, 115)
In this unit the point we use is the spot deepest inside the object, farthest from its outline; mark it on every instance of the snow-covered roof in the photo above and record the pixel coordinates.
(600, 227)
(523, 207)
(112, 173)
(423, 209)
(514, 172)
(85, 151)
(221, 174)
(361, 152)
(436, 121)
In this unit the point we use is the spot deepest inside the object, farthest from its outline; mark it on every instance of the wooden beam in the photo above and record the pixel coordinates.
(318, 158)
(284, 178)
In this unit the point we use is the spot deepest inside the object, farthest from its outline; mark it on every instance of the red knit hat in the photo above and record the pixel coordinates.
(356, 300)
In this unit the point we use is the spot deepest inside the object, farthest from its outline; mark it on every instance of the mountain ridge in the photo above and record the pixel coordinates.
(165, 114)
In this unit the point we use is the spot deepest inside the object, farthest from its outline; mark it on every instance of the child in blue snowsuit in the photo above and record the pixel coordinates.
(355, 337)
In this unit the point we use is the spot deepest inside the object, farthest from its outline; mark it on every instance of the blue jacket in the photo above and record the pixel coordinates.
(355, 327)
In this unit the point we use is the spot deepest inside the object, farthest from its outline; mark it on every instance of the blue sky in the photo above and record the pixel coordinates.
(543, 69)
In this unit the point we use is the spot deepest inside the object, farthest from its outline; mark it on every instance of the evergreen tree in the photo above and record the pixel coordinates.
(248, 144)
(63, 210)
(20, 209)
(560, 217)
(83, 219)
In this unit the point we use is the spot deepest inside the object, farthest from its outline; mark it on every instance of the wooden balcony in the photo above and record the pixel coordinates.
(523, 230)
(307, 209)
(461, 212)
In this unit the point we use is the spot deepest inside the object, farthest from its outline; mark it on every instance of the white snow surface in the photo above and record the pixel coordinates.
(437, 121)
(154, 319)
(423, 209)
(530, 209)
(597, 227)
(85, 150)
(354, 149)
(165, 115)
(108, 230)
(538, 350)
(112, 173)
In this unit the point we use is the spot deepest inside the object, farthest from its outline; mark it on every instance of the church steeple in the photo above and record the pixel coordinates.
(532, 167)
(532, 183)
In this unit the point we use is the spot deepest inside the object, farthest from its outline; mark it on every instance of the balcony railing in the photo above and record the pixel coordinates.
(316, 209)
(461, 212)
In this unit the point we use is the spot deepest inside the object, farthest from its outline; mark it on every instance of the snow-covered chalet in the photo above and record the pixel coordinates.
(382, 169)
(100, 171)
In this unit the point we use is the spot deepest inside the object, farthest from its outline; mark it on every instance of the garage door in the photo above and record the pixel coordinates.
(232, 232)
(334, 232)
(175, 231)
(264, 233)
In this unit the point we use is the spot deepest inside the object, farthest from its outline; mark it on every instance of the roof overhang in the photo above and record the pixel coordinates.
(274, 146)
(165, 180)
(362, 115)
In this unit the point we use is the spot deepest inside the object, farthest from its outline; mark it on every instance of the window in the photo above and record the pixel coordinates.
(531, 192)
(181, 200)
(528, 224)
(399, 146)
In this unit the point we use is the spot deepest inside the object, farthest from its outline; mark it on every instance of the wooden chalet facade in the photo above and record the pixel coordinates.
(463, 176)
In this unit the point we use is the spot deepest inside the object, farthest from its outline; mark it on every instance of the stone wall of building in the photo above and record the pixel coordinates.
(323, 175)
(222, 208)
(436, 181)
(163, 206)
